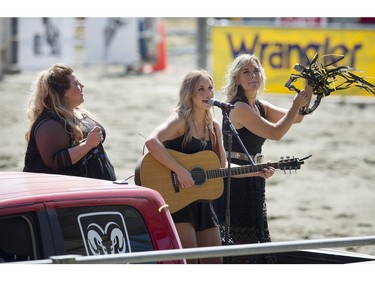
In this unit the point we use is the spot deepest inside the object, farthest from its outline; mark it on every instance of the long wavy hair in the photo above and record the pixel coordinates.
(185, 104)
(47, 93)
(232, 89)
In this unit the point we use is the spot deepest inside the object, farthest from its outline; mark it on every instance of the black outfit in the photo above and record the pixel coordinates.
(248, 213)
(200, 213)
(52, 156)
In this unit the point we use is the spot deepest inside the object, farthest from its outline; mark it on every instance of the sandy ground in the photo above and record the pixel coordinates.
(332, 195)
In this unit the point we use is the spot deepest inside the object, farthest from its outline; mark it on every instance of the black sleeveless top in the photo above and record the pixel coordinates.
(200, 213)
(252, 142)
(195, 145)
(95, 164)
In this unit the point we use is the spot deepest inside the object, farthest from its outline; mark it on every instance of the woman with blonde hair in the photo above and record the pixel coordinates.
(255, 121)
(189, 129)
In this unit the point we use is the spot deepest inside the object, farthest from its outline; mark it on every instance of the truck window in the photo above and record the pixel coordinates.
(17, 238)
(101, 230)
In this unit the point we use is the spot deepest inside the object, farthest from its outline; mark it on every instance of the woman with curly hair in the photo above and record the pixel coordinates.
(62, 137)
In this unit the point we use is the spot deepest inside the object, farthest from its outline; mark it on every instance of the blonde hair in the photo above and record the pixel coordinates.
(232, 90)
(185, 103)
(47, 93)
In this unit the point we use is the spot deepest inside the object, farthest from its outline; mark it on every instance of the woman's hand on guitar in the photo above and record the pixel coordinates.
(267, 172)
(185, 179)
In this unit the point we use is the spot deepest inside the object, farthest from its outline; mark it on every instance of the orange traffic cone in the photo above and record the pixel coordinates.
(161, 62)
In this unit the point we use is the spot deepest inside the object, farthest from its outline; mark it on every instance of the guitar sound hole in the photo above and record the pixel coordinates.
(198, 175)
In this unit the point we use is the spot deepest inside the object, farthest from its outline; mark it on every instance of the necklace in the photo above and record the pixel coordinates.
(203, 139)
(203, 143)
(199, 136)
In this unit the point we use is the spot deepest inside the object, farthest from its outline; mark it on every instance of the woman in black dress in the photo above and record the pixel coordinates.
(255, 121)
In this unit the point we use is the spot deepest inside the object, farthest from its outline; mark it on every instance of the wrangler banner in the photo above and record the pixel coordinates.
(279, 49)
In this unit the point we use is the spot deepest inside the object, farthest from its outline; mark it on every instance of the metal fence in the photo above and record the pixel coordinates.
(206, 252)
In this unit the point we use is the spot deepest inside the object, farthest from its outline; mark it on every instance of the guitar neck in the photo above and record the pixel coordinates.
(223, 172)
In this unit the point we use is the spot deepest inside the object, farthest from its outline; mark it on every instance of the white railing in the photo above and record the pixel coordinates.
(207, 252)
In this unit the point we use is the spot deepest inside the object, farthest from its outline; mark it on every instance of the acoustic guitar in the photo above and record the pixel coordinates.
(205, 169)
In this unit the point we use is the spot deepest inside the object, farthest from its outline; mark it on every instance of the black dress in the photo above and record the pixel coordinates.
(200, 213)
(248, 212)
(56, 140)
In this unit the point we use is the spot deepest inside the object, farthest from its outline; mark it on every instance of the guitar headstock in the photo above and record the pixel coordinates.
(291, 163)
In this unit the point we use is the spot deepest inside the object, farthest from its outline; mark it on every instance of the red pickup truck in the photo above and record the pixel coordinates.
(44, 215)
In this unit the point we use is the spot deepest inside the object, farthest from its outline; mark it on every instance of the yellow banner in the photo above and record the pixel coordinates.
(279, 49)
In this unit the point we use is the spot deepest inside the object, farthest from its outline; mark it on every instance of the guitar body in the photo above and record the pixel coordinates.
(151, 173)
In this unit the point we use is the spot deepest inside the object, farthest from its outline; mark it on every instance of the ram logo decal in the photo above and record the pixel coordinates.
(104, 233)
